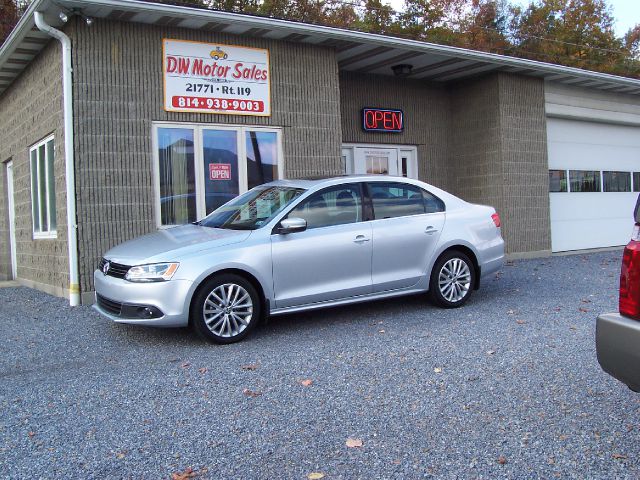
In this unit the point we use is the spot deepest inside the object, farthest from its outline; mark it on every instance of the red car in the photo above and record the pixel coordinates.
(618, 334)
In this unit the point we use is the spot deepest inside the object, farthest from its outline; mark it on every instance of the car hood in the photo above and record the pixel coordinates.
(172, 243)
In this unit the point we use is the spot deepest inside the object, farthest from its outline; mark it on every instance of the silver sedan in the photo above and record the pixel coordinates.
(295, 245)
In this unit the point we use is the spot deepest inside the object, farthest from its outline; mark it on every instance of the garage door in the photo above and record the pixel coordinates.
(594, 170)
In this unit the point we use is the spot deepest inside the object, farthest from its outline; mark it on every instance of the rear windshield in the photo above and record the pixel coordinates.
(252, 209)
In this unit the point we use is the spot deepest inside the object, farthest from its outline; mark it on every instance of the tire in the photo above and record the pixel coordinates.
(452, 279)
(216, 57)
(225, 56)
(225, 309)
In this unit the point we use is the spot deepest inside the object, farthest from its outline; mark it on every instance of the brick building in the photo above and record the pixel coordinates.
(156, 142)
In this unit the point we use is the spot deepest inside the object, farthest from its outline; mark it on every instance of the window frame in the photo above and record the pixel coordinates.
(49, 233)
(198, 158)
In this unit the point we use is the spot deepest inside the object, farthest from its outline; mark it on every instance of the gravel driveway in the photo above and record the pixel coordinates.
(506, 387)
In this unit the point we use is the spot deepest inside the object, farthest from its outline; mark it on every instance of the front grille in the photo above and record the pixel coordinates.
(116, 270)
(114, 308)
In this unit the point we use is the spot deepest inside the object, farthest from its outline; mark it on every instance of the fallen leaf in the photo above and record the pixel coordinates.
(502, 460)
(188, 473)
(520, 322)
(251, 367)
(437, 370)
(354, 443)
(251, 393)
(583, 310)
(396, 462)
(31, 434)
(619, 456)
(490, 352)
(562, 437)
(315, 476)
(121, 455)
(306, 383)
(381, 331)
(557, 309)
(186, 365)
(585, 300)
(511, 312)
(203, 370)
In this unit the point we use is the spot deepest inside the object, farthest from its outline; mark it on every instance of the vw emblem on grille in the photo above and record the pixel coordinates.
(105, 268)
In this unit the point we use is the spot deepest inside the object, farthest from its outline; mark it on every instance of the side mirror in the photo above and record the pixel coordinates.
(292, 225)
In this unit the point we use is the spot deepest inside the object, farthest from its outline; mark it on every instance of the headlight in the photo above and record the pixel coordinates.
(155, 272)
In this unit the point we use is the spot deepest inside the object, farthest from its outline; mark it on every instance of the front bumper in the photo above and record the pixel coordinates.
(171, 298)
(618, 348)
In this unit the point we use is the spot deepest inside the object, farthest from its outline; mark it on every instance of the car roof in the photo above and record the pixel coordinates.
(314, 184)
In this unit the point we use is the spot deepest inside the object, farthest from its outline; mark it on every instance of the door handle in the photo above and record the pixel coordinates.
(361, 239)
(430, 230)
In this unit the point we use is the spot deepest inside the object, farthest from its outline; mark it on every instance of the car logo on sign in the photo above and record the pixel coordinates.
(105, 268)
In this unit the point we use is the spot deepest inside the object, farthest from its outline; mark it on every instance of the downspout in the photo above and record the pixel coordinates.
(72, 227)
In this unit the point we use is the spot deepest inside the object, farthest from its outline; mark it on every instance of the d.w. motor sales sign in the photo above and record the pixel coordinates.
(215, 78)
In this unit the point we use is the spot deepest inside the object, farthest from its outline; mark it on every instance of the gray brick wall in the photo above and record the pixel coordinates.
(499, 151)
(118, 93)
(30, 110)
(426, 115)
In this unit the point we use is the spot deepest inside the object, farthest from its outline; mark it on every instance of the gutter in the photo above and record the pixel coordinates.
(72, 226)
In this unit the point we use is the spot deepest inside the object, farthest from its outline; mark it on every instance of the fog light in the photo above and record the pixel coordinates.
(148, 312)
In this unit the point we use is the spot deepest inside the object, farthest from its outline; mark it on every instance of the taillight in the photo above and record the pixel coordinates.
(496, 219)
(629, 304)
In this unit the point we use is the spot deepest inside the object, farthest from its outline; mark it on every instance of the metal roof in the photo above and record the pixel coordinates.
(356, 51)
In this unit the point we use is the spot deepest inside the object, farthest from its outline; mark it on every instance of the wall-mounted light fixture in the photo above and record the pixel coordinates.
(402, 70)
(63, 16)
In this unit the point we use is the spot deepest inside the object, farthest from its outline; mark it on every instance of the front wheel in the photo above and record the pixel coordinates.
(225, 309)
(452, 280)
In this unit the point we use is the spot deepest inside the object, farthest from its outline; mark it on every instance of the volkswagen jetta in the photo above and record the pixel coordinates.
(294, 245)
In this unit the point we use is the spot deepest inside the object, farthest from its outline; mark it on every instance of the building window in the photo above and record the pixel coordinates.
(636, 181)
(584, 181)
(201, 167)
(43, 191)
(616, 181)
(557, 180)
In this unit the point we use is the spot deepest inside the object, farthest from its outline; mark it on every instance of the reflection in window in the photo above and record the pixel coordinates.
(616, 181)
(392, 200)
(333, 206)
(177, 178)
(584, 181)
(262, 157)
(636, 181)
(557, 180)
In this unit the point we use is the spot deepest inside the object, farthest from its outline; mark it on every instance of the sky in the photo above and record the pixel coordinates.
(626, 12)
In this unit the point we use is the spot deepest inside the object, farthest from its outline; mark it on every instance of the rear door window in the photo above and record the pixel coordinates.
(332, 206)
(391, 200)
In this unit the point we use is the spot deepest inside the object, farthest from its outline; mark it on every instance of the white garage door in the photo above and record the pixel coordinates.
(592, 169)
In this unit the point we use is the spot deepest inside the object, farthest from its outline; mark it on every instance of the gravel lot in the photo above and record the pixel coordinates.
(506, 387)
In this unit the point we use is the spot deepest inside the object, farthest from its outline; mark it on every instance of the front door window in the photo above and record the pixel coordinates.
(201, 167)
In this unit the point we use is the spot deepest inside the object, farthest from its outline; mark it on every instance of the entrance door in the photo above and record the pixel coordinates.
(12, 220)
(394, 160)
(221, 171)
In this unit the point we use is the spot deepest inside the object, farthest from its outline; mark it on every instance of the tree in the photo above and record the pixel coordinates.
(486, 26)
(577, 33)
(10, 13)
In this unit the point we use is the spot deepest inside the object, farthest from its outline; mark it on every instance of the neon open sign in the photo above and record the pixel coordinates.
(382, 120)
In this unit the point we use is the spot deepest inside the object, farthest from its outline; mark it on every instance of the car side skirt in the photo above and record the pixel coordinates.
(418, 288)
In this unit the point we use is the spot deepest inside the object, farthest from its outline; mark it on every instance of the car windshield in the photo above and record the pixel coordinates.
(252, 209)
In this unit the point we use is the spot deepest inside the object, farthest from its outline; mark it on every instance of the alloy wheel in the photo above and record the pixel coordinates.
(227, 310)
(454, 280)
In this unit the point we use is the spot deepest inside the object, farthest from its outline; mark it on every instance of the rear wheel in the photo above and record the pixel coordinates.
(452, 279)
(225, 309)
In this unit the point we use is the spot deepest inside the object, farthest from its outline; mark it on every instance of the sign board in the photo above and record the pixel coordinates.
(215, 78)
(382, 120)
(219, 171)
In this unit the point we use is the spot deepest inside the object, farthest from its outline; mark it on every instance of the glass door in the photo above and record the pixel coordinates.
(221, 179)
